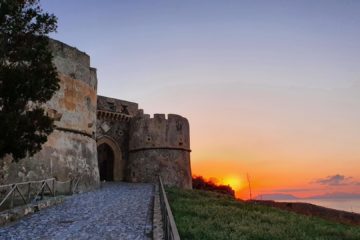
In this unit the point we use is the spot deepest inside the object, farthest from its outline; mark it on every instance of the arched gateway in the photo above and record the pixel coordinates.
(110, 161)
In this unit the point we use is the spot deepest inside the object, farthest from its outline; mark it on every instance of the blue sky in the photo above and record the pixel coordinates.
(173, 42)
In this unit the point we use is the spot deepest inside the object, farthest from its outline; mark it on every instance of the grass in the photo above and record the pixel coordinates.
(207, 215)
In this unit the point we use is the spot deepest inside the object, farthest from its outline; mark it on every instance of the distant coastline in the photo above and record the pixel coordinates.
(338, 201)
(328, 196)
(305, 208)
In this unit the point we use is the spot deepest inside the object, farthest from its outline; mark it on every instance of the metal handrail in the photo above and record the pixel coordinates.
(170, 229)
(46, 184)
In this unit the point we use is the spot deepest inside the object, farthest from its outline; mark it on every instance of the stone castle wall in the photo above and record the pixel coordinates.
(113, 122)
(71, 149)
(142, 147)
(160, 146)
(145, 147)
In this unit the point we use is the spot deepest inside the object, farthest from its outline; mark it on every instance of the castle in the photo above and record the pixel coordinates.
(100, 138)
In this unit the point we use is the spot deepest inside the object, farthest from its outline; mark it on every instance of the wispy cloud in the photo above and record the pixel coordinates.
(336, 180)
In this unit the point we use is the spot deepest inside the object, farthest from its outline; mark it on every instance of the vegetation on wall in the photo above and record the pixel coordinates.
(28, 77)
(205, 215)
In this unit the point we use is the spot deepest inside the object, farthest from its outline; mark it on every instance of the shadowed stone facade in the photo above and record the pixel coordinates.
(70, 151)
(160, 146)
(148, 146)
(100, 138)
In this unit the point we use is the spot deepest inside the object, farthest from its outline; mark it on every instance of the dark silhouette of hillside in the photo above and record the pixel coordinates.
(198, 182)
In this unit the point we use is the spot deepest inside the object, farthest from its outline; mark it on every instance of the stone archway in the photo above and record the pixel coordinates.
(105, 162)
(111, 152)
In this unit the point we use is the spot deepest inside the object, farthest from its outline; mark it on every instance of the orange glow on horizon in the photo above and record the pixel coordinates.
(235, 182)
(267, 179)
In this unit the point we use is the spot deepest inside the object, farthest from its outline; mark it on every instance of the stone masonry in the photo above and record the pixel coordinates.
(70, 151)
(100, 138)
(145, 147)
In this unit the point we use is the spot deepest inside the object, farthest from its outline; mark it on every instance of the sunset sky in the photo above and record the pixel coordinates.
(271, 88)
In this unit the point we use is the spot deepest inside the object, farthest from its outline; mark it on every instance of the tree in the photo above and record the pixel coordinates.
(28, 77)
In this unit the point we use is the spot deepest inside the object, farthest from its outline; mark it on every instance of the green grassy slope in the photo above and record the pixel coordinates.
(207, 215)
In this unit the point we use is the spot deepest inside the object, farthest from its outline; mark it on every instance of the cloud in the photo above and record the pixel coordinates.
(335, 180)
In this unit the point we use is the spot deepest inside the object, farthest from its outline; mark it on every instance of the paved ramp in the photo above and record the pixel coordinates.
(116, 211)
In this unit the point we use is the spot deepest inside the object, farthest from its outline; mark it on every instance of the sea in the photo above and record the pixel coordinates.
(349, 205)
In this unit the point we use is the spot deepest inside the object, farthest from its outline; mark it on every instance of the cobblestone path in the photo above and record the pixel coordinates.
(116, 211)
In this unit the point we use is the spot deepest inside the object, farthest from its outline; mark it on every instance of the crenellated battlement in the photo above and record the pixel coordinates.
(71, 62)
(159, 132)
(160, 116)
(160, 145)
(107, 104)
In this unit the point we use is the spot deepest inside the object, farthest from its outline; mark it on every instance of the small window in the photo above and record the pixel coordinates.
(124, 109)
(112, 106)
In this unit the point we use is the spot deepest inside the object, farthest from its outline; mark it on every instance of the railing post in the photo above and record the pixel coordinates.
(12, 197)
(29, 192)
(53, 187)
(42, 190)
(71, 183)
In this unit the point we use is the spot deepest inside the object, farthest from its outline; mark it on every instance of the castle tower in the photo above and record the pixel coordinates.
(160, 146)
(133, 147)
(70, 151)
